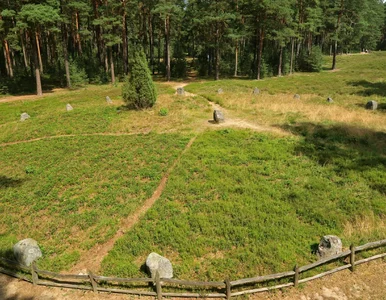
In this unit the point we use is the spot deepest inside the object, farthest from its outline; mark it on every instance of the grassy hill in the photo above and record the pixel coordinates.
(238, 203)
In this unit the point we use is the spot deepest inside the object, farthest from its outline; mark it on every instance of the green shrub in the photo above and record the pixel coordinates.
(138, 91)
(78, 75)
(163, 112)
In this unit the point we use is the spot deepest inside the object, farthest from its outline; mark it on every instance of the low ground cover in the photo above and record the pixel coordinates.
(242, 203)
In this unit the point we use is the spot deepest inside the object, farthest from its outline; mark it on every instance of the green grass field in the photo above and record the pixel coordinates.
(239, 203)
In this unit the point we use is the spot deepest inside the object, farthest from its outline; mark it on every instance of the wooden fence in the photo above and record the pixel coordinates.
(193, 289)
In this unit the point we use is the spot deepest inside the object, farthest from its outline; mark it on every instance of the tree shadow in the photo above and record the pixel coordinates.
(6, 281)
(370, 88)
(345, 148)
(7, 182)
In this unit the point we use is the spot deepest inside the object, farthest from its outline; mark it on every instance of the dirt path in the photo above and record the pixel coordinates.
(368, 282)
(92, 259)
(31, 97)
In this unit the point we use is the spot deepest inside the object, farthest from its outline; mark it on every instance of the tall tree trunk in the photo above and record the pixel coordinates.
(65, 52)
(260, 57)
(217, 59)
(112, 66)
(334, 55)
(167, 47)
(8, 59)
(280, 61)
(38, 52)
(236, 57)
(24, 50)
(77, 36)
(35, 54)
(125, 50)
(292, 55)
(151, 43)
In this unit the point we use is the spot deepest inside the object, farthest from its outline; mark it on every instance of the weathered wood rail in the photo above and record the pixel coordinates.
(213, 289)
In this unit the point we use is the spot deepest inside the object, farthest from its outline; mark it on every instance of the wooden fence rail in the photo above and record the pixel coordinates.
(218, 289)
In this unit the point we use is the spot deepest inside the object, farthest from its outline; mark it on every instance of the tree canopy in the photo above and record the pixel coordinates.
(58, 39)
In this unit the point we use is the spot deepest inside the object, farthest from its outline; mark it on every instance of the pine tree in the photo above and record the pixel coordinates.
(138, 91)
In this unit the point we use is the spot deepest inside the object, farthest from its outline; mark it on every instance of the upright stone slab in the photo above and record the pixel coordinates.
(69, 107)
(220, 91)
(27, 251)
(297, 97)
(180, 91)
(218, 116)
(24, 116)
(329, 100)
(256, 91)
(329, 245)
(372, 105)
(108, 100)
(157, 263)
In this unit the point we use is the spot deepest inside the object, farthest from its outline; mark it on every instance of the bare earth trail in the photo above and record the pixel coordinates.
(368, 282)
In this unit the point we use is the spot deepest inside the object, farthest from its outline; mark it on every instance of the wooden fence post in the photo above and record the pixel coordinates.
(158, 286)
(92, 280)
(296, 278)
(228, 288)
(352, 258)
(35, 277)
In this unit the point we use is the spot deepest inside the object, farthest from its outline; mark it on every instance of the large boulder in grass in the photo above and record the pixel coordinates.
(329, 245)
(157, 263)
(27, 251)
(218, 116)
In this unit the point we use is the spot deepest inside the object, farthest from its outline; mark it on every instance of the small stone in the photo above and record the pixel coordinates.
(157, 263)
(220, 91)
(180, 91)
(218, 116)
(372, 105)
(69, 107)
(256, 91)
(329, 100)
(329, 245)
(108, 100)
(24, 116)
(297, 96)
(27, 251)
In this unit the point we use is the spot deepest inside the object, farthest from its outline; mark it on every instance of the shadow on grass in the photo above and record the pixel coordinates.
(345, 148)
(370, 88)
(7, 182)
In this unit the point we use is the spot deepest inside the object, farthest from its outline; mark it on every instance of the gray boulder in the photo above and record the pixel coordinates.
(156, 262)
(329, 100)
(180, 91)
(297, 96)
(256, 91)
(69, 107)
(220, 91)
(329, 245)
(27, 251)
(372, 105)
(108, 100)
(218, 116)
(24, 116)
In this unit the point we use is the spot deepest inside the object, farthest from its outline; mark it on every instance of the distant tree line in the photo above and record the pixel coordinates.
(69, 42)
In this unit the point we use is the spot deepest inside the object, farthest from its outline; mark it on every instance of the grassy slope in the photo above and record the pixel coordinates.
(242, 204)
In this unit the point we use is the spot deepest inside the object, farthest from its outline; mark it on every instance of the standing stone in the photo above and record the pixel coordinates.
(297, 96)
(372, 105)
(218, 116)
(329, 100)
(69, 107)
(256, 91)
(180, 91)
(24, 116)
(27, 251)
(329, 245)
(156, 262)
(108, 100)
(220, 91)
